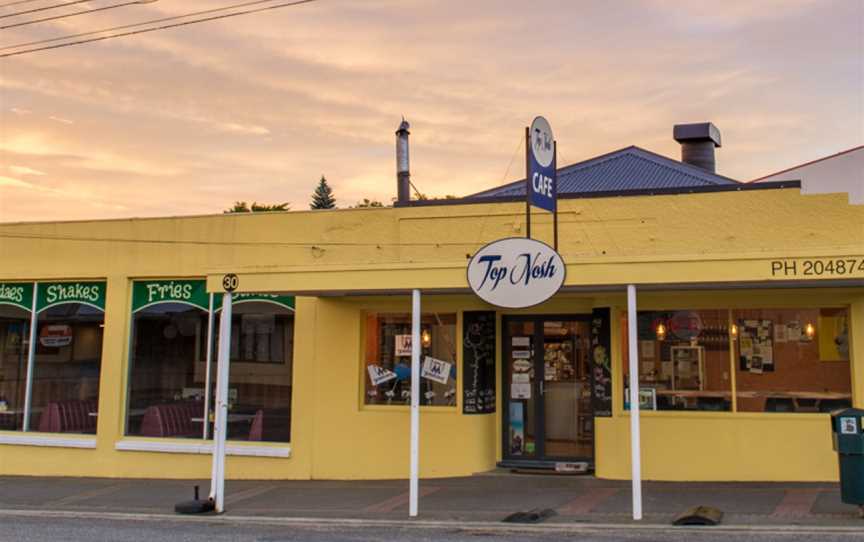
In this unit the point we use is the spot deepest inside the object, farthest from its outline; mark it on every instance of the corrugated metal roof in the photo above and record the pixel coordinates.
(624, 170)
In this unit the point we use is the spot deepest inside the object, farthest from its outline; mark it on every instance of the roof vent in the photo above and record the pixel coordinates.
(697, 144)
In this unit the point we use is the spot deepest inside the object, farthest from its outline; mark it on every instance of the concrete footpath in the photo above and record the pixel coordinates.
(483, 498)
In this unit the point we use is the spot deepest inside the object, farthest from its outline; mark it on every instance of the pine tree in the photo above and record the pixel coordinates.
(323, 198)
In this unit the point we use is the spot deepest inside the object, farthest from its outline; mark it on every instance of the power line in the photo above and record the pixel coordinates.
(8, 4)
(43, 8)
(122, 27)
(84, 12)
(225, 243)
(153, 29)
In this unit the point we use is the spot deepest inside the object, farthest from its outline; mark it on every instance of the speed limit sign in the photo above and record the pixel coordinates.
(230, 282)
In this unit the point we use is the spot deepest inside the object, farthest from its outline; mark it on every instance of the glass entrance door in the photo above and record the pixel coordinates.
(547, 385)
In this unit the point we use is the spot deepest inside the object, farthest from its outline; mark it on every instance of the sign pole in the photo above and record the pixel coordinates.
(415, 403)
(555, 184)
(527, 182)
(222, 402)
(31, 354)
(635, 439)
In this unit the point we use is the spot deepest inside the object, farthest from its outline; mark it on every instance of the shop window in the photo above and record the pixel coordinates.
(14, 332)
(66, 368)
(683, 360)
(792, 360)
(171, 386)
(387, 367)
(259, 391)
(167, 378)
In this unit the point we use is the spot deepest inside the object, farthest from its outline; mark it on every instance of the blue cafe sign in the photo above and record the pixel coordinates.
(542, 175)
(516, 272)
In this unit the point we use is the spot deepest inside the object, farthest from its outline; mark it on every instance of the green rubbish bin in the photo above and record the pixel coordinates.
(847, 427)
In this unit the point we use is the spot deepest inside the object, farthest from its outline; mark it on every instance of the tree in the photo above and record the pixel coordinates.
(368, 203)
(323, 198)
(243, 207)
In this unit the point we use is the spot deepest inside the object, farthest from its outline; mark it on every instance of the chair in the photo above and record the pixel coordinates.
(172, 420)
(256, 431)
(779, 404)
(69, 417)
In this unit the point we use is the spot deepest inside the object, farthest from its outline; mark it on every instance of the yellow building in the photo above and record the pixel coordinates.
(750, 328)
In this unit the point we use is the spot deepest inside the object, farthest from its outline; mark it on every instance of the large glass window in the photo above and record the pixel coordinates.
(171, 386)
(167, 379)
(66, 368)
(14, 333)
(683, 360)
(388, 359)
(259, 391)
(792, 360)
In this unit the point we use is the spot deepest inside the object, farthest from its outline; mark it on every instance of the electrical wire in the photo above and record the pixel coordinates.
(163, 27)
(133, 25)
(226, 243)
(67, 15)
(43, 8)
(8, 4)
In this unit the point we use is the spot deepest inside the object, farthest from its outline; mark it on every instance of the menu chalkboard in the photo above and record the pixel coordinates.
(601, 368)
(478, 362)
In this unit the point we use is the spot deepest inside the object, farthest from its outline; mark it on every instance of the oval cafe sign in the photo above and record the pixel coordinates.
(516, 272)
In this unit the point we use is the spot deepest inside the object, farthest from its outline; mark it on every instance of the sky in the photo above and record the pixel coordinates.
(257, 108)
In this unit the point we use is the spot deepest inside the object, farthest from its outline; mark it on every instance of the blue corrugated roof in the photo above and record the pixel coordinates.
(624, 170)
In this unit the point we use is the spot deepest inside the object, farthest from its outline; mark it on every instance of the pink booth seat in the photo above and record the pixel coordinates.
(256, 431)
(172, 420)
(69, 417)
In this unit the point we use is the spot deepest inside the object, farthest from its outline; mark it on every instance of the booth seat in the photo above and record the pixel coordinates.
(172, 420)
(69, 417)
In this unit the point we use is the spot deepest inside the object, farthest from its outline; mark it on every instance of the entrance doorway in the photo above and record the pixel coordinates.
(548, 416)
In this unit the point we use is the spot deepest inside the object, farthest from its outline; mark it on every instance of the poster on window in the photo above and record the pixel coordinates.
(478, 362)
(756, 345)
(601, 366)
(55, 336)
(403, 345)
(379, 375)
(436, 370)
(517, 428)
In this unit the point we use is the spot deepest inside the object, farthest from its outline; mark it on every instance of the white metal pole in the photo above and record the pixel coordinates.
(208, 360)
(221, 424)
(415, 403)
(635, 439)
(31, 354)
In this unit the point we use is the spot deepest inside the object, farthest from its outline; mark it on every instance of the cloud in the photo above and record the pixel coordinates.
(61, 120)
(257, 107)
(24, 170)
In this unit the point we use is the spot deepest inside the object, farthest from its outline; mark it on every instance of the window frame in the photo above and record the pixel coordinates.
(730, 308)
(363, 375)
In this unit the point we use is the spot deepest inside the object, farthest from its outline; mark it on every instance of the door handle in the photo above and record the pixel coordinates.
(542, 387)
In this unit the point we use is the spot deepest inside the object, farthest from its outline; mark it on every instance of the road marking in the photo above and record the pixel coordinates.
(234, 498)
(796, 503)
(399, 500)
(586, 502)
(87, 495)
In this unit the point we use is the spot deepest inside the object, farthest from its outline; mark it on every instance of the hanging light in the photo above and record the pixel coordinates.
(810, 330)
(733, 331)
(661, 332)
(425, 338)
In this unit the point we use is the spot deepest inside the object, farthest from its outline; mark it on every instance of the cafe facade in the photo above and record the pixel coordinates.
(750, 329)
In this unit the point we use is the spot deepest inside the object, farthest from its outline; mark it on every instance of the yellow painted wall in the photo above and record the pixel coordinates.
(722, 237)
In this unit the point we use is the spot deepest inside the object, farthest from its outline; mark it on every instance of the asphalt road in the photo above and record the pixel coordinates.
(27, 529)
